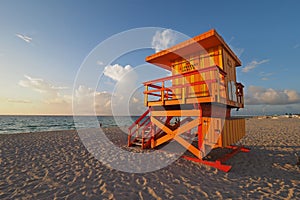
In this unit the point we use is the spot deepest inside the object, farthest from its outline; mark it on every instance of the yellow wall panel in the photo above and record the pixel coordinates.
(233, 130)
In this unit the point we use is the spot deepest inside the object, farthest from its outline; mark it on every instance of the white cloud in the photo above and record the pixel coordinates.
(135, 100)
(265, 76)
(52, 94)
(40, 85)
(24, 37)
(116, 72)
(84, 94)
(253, 64)
(269, 96)
(60, 99)
(85, 100)
(163, 40)
(18, 101)
(88, 101)
(99, 62)
(296, 46)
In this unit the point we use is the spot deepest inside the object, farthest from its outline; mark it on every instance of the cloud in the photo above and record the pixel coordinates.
(116, 72)
(52, 94)
(40, 85)
(99, 62)
(24, 37)
(85, 100)
(163, 40)
(88, 101)
(253, 64)
(296, 46)
(265, 76)
(60, 99)
(18, 101)
(269, 96)
(135, 100)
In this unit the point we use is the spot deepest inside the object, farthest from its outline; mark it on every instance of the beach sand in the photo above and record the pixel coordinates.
(56, 165)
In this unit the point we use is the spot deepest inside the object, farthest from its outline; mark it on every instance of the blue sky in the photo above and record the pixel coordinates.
(43, 44)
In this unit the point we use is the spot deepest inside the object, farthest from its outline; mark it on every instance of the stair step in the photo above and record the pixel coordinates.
(210, 143)
(138, 143)
(138, 140)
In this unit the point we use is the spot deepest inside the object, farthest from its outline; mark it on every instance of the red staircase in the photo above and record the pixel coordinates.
(140, 132)
(139, 129)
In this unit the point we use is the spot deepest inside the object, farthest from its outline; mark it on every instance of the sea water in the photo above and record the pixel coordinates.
(25, 124)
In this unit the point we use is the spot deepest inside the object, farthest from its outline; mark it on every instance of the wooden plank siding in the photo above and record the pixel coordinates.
(233, 131)
(222, 132)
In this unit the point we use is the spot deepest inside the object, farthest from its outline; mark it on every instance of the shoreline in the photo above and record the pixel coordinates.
(55, 164)
(115, 126)
(62, 130)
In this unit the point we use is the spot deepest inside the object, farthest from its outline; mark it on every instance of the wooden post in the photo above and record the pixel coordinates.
(162, 92)
(218, 84)
(183, 91)
(146, 96)
(200, 134)
(152, 135)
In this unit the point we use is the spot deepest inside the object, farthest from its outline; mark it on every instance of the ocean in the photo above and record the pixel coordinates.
(25, 124)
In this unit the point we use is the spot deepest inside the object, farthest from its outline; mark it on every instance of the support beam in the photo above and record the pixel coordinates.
(175, 113)
(189, 146)
(219, 162)
(186, 127)
(146, 96)
(163, 139)
(171, 134)
(200, 133)
(216, 164)
(161, 126)
(235, 150)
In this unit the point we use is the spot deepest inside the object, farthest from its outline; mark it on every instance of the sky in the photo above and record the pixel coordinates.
(45, 47)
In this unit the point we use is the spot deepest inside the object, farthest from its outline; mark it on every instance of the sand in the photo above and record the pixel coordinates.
(56, 165)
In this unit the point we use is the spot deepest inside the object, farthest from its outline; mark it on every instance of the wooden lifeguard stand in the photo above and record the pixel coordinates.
(193, 106)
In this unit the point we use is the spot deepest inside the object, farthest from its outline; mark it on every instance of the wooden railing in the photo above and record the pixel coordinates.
(240, 93)
(142, 121)
(207, 82)
(141, 129)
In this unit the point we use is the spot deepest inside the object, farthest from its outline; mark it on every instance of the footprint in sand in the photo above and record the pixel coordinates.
(141, 181)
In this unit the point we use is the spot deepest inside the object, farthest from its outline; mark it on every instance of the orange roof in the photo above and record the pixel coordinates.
(206, 40)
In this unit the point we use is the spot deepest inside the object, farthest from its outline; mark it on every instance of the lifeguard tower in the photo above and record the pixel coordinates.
(193, 105)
